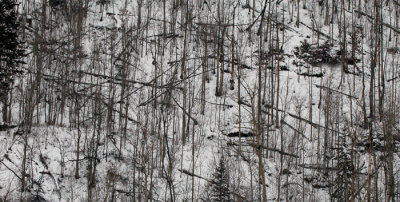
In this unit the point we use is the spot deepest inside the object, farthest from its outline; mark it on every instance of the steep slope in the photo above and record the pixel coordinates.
(139, 100)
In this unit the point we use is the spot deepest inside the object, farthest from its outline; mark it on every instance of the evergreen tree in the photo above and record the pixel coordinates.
(343, 176)
(220, 184)
(10, 50)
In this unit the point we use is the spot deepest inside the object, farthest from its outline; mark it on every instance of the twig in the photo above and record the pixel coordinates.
(194, 175)
(291, 127)
(330, 89)
(11, 170)
(273, 149)
(315, 125)
(194, 120)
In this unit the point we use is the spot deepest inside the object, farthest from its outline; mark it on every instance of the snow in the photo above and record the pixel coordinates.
(52, 148)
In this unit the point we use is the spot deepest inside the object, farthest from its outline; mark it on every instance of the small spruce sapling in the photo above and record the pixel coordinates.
(220, 183)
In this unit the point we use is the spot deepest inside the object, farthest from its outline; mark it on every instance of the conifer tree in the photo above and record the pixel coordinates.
(343, 176)
(10, 49)
(220, 186)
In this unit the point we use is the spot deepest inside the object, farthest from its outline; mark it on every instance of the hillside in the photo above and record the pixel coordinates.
(179, 100)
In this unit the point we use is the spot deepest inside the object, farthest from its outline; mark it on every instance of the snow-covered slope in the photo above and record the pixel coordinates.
(119, 87)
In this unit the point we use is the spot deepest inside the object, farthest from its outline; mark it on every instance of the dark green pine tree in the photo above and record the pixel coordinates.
(220, 183)
(10, 49)
(343, 176)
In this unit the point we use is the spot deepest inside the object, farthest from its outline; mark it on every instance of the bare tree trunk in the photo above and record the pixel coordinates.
(232, 81)
(259, 125)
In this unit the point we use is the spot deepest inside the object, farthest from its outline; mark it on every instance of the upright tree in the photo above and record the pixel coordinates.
(10, 51)
(220, 186)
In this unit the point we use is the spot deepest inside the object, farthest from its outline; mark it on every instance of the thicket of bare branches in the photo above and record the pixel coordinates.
(300, 99)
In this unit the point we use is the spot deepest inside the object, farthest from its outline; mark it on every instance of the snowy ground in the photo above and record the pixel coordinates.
(142, 162)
